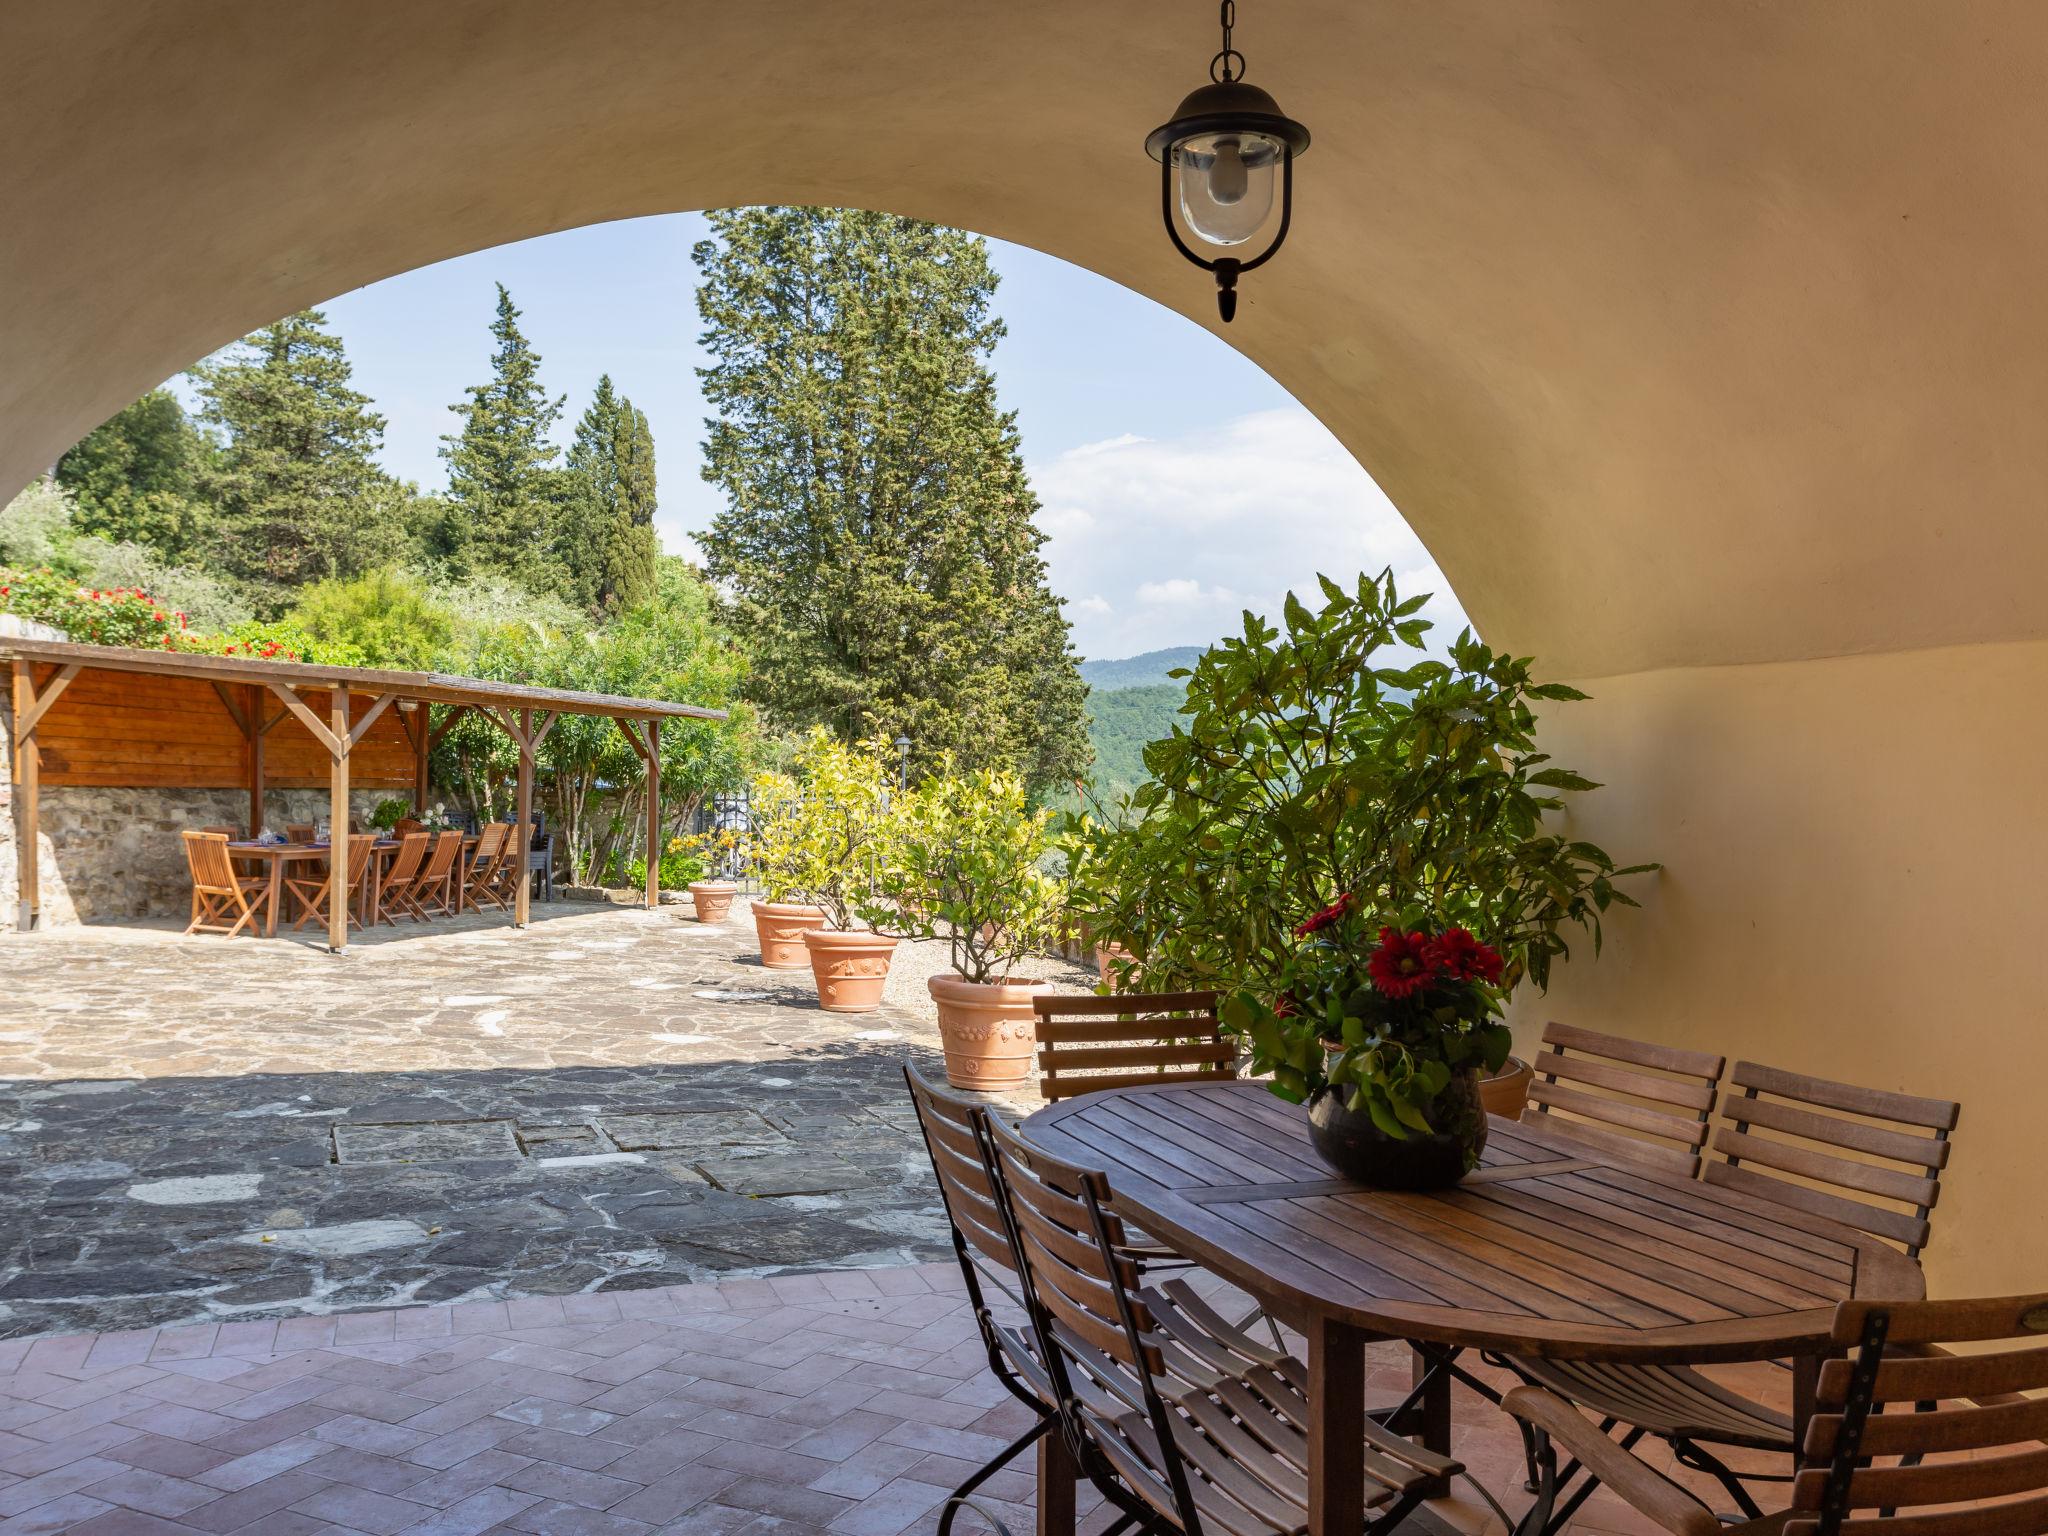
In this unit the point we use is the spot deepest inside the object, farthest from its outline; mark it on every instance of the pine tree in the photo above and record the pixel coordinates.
(606, 544)
(136, 477)
(297, 493)
(878, 537)
(504, 485)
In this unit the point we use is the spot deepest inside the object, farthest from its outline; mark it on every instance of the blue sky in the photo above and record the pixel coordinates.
(1180, 483)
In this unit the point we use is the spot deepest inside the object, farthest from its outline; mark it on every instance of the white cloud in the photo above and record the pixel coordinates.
(1173, 538)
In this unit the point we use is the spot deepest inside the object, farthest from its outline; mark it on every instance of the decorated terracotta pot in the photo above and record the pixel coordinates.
(851, 967)
(713, 899)
(987, 1029)
(782, 926)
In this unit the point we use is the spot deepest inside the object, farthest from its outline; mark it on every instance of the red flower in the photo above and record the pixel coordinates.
(1403, 964)
(1334, 912)
(1457, 953)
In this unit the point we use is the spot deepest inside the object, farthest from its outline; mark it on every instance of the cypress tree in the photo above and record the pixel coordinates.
(297, 492)
(877, 536)
(607, 544)
(136, 476)
(504, 485)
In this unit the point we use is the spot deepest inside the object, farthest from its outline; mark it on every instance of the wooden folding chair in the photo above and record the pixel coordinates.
(1887, 1189)
(433, 893)
(298, 832)
(399, 879)
(1642, 1101)
(486, 866)
(1136, 1039)
(312, 891)
(218, 893)
(1906, 1437)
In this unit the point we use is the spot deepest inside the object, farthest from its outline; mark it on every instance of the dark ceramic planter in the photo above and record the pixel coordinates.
(1350, 1143)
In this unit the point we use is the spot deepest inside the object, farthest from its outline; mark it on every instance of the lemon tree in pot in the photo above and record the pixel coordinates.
(967, 865)
(828, 827)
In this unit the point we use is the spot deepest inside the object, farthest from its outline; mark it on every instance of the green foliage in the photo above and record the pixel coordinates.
(1306, 765)
(35, 527)
(390, 813)
(210, 605)
(1121, 724)
(877, 536)
(607, 544)
(137, 478)
(384, 618)
(965, 861)
(821, 830)
(504, 487)
(295, 488)
(679, 867)
(1149, 670)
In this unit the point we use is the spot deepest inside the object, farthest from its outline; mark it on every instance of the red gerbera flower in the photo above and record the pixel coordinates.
(1403, 964)
(1334, 912)
(1457, 953)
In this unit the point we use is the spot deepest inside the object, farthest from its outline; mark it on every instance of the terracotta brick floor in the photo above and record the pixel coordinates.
(845, 1402)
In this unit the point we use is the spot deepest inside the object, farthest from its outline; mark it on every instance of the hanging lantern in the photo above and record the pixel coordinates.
(1218, 158)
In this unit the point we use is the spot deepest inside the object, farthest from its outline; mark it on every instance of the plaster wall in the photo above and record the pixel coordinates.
(1854, 856)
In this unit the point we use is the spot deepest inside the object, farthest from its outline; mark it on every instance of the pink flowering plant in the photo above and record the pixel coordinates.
(1383, 1008)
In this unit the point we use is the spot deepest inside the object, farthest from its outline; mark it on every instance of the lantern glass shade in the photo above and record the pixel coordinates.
(1226, 182)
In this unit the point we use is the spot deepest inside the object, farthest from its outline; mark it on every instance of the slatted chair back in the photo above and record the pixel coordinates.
(298, 832)
(406, 824)
(1969, 1462)
(230, 833)
(433, 879)
(1643, 1101)
(1136, 1039)
(206, 856)
(950, 1136)
(1784, 1135)
(405, 864)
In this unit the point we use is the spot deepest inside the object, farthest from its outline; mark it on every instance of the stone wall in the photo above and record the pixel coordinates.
(110, 854)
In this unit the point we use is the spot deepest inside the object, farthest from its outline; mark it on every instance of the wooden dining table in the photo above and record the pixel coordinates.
(1553, 1247)
(275, 856)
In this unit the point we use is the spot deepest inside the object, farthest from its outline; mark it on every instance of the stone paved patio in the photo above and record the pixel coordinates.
(197, 1129)
(849, 1403)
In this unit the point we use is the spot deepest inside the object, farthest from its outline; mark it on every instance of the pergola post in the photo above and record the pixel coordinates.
(653, 761)
(522, 890)
(416, 721)
(252, 714)
(338, 846)
(27, 773)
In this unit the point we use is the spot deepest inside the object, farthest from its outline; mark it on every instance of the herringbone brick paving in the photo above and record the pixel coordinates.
(845, 1403)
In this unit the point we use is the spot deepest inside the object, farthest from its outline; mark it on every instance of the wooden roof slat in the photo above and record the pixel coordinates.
(433, 687)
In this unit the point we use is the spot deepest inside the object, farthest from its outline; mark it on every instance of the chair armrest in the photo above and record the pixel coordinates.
(1636, 1482)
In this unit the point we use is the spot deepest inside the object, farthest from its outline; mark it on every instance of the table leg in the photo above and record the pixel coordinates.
(1431, 1424)
(1336, 1428)
(276, 880)
(1056, 1474)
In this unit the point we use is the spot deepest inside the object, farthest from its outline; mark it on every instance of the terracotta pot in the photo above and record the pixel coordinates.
(987, 1029)
(1106, 955)
(1506, 1093)
(713, 898)
(782, 926)
(851, 967)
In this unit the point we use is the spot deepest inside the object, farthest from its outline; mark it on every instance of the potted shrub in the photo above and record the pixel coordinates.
(712, 893)
(827, 829)
(781, 914)
(966, 866)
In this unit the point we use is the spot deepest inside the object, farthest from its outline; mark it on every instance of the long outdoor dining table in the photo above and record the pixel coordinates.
(1552, 1248)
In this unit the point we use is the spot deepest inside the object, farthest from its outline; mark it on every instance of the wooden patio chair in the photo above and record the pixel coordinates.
(311, 891)
(1642, 1101)
(981, 1243)
(218, 893)
(298, 832)
(482, 879)
(1133, 1040)
(400, 877)
(432, 894)
(1182, 1421)
(1906, 1436)
(1886, 1188)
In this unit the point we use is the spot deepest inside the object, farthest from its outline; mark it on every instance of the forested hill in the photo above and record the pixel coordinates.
(1143, 671)
(1120, 722)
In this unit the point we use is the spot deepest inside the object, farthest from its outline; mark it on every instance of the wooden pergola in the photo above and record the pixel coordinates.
(105, 715)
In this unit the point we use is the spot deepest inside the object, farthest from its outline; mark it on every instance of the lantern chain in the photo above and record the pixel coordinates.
(1228, 64)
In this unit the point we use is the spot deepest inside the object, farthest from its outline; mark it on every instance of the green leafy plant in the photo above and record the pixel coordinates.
(965, 862)
(1338, 757)
(819, 832)
(679, 866)
(390, 813)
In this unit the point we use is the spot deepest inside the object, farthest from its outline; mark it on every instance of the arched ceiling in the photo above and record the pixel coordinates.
(1681, 332)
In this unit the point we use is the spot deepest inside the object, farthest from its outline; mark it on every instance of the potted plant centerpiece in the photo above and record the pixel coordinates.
(829, 828)
(966, 866)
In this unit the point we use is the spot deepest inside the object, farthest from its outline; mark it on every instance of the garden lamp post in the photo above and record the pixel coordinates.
(903, 762)
(1221, 151)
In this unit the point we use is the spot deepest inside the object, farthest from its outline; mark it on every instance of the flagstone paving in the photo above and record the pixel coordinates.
(845, 1403)
(203, 1129)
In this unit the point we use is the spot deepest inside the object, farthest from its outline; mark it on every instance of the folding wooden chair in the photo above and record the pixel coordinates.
(218, 893)
(1137, 1039)
(312, 891)
(298, 832)
(1642, 1101)
(1907, 1437)
(483, 877)
(399, 879)
(433, 893)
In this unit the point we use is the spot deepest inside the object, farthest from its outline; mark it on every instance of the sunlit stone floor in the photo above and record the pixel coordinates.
(196, 1129)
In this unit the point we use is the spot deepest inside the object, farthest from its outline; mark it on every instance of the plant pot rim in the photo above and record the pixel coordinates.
(788, 908)
(714, 885)
(848, 938)
(1015, 989)
(1514, 1066)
